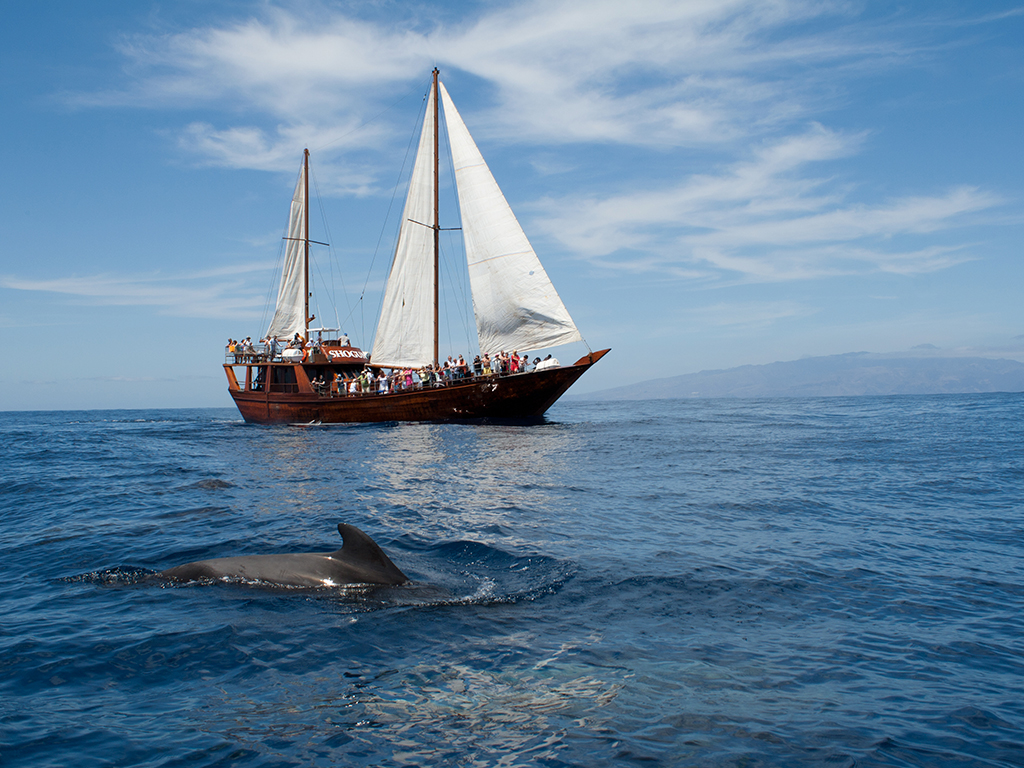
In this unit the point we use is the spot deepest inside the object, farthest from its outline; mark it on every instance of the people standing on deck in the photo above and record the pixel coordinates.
(268, 353)
(454, 370)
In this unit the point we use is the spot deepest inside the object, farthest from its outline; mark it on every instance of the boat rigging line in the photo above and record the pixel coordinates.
(366, 122)
(394, 193)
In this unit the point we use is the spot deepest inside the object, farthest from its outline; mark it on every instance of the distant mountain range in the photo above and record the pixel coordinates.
(856, 373)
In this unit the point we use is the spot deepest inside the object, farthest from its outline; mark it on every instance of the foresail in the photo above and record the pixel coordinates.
(516, 306)
(291, 301)
(405, 332)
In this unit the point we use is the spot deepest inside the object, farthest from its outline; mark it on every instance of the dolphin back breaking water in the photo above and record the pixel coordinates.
(359, 561)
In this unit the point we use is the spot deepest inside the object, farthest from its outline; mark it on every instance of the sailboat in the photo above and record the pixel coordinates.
(516, 307)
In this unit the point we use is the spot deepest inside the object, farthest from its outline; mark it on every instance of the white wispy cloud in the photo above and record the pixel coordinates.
(251, 147)
(658, 72)
(748, 79)
(213, 293)
(765, 219)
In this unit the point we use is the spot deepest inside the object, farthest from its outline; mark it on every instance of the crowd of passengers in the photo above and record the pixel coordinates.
(451, 371)
(269, 349)
(397, 379)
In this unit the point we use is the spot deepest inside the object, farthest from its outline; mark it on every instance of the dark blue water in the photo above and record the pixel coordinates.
(824, 582)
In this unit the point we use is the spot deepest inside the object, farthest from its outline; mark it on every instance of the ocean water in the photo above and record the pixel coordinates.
(791, 582)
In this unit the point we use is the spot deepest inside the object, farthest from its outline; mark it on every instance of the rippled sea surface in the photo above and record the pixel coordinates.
(828, 582)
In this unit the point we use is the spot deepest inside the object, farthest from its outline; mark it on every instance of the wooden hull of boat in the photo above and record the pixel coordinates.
(522, 396)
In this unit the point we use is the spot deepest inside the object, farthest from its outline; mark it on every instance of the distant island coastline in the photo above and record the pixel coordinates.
(852, 374)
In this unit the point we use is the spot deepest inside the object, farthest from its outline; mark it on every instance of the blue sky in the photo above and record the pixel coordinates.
(708, 183)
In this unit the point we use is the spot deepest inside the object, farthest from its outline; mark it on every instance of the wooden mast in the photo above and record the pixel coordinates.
(437, 221)
(305, 227)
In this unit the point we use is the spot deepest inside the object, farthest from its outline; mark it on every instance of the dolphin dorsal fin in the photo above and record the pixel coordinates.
(360, 547)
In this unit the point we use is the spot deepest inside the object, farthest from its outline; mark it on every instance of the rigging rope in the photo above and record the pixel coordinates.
(365, 123)
(394, 192)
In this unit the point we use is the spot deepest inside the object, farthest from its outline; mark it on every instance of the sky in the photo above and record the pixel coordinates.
(709, 183)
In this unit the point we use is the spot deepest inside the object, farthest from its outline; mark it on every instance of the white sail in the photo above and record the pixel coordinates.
(516, 306)
(405, 332)
(291, 300)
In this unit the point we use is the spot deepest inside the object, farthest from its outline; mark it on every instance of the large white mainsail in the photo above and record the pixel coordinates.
(291, 299)
(516, 306)
(405, 333)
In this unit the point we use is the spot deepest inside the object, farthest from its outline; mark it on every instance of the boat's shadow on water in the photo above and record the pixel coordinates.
(451, 573)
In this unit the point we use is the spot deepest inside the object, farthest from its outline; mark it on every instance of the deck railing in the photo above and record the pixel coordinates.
(257, 353)
(327, 391)
(261, 354)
